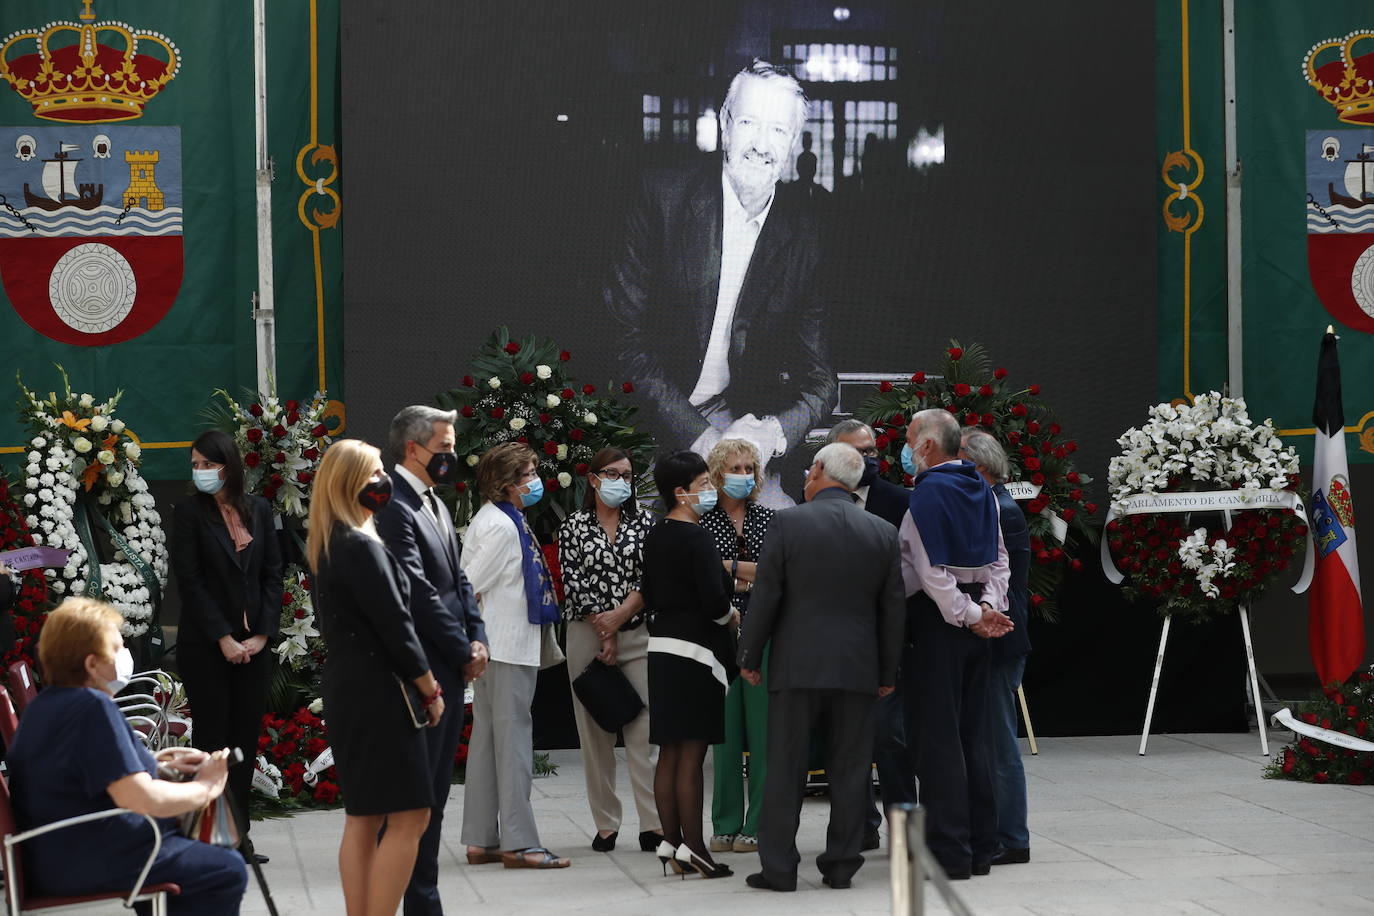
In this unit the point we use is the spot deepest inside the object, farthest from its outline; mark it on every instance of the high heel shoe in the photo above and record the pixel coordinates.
(666, 855)
(691, 860)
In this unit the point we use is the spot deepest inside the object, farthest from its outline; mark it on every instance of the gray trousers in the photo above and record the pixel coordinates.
(846, 720)
(500, 768)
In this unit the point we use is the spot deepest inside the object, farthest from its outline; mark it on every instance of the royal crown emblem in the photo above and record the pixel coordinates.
(88, 72)
(1346, 81)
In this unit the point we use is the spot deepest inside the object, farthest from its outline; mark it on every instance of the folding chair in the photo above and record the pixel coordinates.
(9, 719)
(19, 902)
(22, 686)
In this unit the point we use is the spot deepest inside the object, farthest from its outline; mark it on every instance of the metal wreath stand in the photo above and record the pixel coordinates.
(1225, 502)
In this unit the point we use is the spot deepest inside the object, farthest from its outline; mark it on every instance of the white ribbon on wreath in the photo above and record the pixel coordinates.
(1285, 718)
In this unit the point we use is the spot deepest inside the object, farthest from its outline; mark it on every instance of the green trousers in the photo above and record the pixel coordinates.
(746, 728)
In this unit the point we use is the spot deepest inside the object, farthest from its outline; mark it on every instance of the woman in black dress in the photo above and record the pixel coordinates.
(229, 571)
(691, 655)
(382, 759)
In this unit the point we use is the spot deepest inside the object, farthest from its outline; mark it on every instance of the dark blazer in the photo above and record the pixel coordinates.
(829, 595)
(219, 584)
(442, 604)
(1016, 537)
(888, 501)
(662, 291)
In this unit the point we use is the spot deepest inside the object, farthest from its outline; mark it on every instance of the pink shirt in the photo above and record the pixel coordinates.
(237, 532)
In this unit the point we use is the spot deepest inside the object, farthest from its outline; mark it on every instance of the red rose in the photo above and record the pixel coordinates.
(582, 469)
(897, 419)
(884, 386)
(1018, 410)
(908, 480)
(466, 411)
(1034, 389)
(1037, 600)
(627, 387)
(292, 417)
(460, 486)
(1321, 778)
(523, 440)
(305, 583)
(985, 390)
(320, 431)
(1361, 727)
(1356, 778)
(264, 742)
(316, 746)
(1032, 464)
(564, 356)
(1075, 494)
(1352, 711)
(1038, 479)
(882, 441)
(544, 418)
(951, 408)
(1068, 514)
(962, 390)
(305, 477)
(970, 419)
(498, 412)
(252, 459)
(255, 435)
(1076, 564)
(589, 389)
(1061, 452)
(255, 410)
(1032, 427)
(577, 435)
(526, 378)
(1055, 429)
(279, 431)
(919, 378)
(1090, 508)
(468, 381)
(299, 614)
(512, 348)
(285, 599)
(956, 352)
(326, 792)
(568, 394)
(1014, 436)
(550, 448)
(1072, 477)
(311, 453)
(551, 484)
(988, 419)
(884, 466)
(999, 372)
(279, 458)
(283, 749)
(1035, 506)
(1309, 717)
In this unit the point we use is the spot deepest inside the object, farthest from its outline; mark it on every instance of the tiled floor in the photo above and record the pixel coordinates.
(1192, 828)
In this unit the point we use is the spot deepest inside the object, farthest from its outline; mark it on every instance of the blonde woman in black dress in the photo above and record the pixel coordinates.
(691, 656)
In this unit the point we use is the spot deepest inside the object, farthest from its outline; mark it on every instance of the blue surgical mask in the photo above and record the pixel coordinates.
(705, 501)
(909, 461)
(207, 480)
(739, 486)
(535, 494)
(614, 492)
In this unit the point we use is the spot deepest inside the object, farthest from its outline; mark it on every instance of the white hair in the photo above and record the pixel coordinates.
(842, 463)
(762, 69)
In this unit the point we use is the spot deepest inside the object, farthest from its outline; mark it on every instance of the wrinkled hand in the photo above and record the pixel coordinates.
(885, 691)
(752, 677)
(234, 651)
(993, 625)
(214, 772)
(608, 649)
(435, 711)
(478, 666)
(181, 759)
(254, 644)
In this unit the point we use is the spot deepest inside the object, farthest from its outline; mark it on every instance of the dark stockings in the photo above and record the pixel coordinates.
(679, 792)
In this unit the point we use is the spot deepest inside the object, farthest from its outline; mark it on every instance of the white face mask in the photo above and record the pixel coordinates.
(124, 670)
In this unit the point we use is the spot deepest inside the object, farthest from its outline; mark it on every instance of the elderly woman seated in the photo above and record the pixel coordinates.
(75, 754)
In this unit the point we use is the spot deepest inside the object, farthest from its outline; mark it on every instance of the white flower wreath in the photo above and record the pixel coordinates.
(60, 464)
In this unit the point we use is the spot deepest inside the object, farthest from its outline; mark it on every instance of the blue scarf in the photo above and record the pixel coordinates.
(956, 514)
(541, 607)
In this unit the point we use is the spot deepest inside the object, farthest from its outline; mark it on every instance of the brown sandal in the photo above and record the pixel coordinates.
(485, 857)
(520, 858)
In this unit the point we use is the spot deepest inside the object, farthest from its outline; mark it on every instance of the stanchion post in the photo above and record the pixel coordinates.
(1154, 684)
(1025, 715)
(905, 831)
(1254, 680)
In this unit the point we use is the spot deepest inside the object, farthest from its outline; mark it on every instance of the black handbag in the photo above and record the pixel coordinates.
(608, 695)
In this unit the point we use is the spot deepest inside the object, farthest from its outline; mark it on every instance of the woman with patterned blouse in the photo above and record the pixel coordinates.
(601, 552)
(738, 524)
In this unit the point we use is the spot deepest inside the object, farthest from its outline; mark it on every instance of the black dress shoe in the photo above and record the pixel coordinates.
(255, 858)
(649, 840)
(958, 874)
(982, 868)
(838, 884)
(871, 841)
(605, 843)
(758, 881)
(1012, 857)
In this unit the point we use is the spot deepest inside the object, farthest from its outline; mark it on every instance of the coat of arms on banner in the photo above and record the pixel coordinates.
(1340, 180)
(91, 225)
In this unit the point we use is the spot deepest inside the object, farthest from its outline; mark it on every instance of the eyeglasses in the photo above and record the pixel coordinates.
(870, 452)
(613, 474)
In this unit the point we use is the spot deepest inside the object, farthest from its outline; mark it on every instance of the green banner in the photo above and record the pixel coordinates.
(128, 234)
(1305, 132)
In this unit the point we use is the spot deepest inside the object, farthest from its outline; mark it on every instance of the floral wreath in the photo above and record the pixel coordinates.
(1188, 457)
(301, 647)
(1051, 491)
(1342, 720)
(82, 467)
(31, 601)
(281, 444)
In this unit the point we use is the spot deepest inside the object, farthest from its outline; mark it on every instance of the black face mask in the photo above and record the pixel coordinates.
(870, 473)
(442, 467)
(376, 494)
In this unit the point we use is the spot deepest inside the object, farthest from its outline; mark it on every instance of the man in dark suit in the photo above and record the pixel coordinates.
(889, 502)
(419, 532)
(1007, 655)
(955, 567)
(829, 597)
(716, 292)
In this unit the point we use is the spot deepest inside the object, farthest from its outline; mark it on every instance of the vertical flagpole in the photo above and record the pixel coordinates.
(264, 313)
(1235, 338)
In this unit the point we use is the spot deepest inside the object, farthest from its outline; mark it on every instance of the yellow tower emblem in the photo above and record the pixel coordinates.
(142, 180)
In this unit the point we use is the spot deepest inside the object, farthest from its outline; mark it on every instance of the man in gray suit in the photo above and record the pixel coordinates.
(829, 595)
